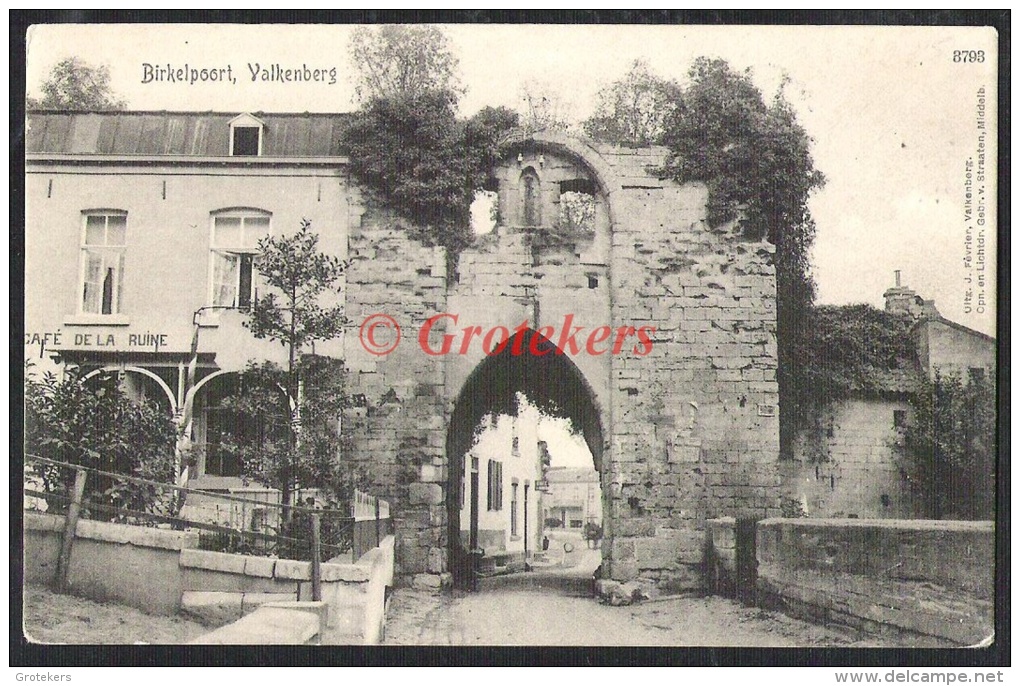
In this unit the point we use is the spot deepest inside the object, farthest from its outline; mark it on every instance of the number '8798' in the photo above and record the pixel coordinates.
(968, 55)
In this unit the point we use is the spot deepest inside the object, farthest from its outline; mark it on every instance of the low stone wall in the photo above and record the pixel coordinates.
(222, 588)
(162, 572)
(131, 565)
(931, 581)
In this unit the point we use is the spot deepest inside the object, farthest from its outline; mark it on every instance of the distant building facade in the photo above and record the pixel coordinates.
(574, 498)
(853, 462)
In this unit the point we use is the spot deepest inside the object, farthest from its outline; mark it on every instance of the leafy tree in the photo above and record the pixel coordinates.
(275, 450)
(73, 84)
(406, 142)
(485, 136)
(288, 441)
(756, 160)
(952, 438)
(403, 60)
(424, 162)
(632, 111)
(94, 424)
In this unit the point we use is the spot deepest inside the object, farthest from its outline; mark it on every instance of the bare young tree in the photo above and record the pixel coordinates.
(543, 108)
(633, 109)
(403, 60)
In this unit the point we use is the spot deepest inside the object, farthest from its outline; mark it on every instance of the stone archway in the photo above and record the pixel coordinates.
(689, 423)
(550, 380)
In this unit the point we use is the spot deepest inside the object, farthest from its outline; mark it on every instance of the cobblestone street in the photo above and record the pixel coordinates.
(545, 617)
(553, 607)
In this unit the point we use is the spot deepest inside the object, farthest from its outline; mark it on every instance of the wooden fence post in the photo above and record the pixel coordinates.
(377, 538)
(316, 560)
(70, 526)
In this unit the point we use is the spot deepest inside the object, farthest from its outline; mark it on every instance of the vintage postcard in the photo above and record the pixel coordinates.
(464, 334)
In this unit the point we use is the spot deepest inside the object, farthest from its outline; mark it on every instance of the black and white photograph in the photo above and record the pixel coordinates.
(571, 335)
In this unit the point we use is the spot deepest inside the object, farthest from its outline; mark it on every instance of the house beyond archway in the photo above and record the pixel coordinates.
(546, 376)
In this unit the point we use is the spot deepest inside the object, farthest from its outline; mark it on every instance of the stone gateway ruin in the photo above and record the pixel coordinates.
(670, 378)
(651, 331)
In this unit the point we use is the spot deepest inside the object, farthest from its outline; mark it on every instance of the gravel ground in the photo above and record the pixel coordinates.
(538, 616)
(53, 618)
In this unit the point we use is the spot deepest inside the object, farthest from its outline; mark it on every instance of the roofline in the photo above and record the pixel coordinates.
(85, 159)
(218, 113)
(956, 325)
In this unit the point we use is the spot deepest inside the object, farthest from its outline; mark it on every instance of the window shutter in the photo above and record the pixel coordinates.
(93, 287)
(224, 279)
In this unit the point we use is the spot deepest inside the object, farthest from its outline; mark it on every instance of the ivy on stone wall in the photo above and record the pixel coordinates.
(425, 162)
(847, 349)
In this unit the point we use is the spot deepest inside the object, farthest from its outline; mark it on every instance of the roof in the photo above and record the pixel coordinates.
(200, 134)
(959, 327)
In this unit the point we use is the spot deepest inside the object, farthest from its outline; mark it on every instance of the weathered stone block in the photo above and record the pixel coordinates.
(655, 553)
(425, 494)
(433, 474)
(213, 561)
(436, 561)
(259, 566)
(293, 570)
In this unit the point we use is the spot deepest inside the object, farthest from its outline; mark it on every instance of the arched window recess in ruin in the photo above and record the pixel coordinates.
(556, 187)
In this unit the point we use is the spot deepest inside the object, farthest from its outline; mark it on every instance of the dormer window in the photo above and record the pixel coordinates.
(246, 136)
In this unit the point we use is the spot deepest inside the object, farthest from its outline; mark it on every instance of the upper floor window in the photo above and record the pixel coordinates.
(103, 243)
(246, 136)
(235, 238)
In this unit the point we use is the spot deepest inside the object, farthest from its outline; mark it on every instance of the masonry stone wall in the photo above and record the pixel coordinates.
(854, 463)
(695, 423)
(397, 426)
(689, 429)
(925, 581)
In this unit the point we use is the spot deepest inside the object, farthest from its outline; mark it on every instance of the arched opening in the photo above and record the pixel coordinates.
(508, 389)
(228, 408)
(142, 386)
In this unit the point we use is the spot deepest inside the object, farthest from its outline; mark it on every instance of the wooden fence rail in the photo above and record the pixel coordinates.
(344, 531)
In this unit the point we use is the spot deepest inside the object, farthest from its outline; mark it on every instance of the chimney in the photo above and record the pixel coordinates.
(901, 299)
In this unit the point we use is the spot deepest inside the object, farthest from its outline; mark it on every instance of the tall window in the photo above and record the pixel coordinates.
(494, 500)
(235, 237)
(104, 240)
(513, 508)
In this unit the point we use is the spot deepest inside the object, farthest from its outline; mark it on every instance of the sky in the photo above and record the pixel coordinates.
(892, 116)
